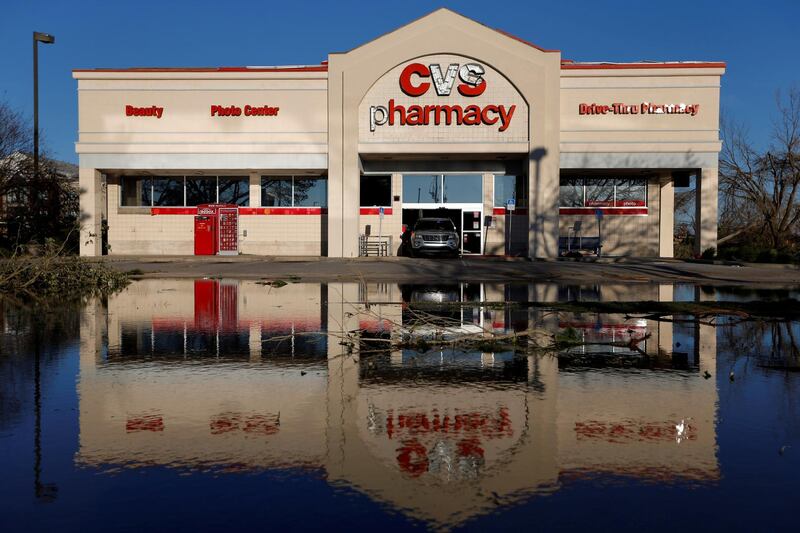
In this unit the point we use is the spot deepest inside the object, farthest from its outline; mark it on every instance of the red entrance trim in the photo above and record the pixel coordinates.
(375, 211)
(605, 210)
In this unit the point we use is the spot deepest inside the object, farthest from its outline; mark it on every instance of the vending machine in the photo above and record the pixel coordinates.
(216, 229)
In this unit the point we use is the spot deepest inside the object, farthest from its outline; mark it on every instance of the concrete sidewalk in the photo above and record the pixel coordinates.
(404, 269)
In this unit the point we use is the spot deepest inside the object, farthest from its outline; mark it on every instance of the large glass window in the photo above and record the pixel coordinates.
(442, 188)
(422, 189)
(276, 192)
(201, 190)
(508, 188)
(603, 192)
(631, 193)
(288, 191)
(571, 192)
(599, 193)
(463, 188)
(234, 190)
(310, 192)
(135, 191)
(168, 192)
(376, 191)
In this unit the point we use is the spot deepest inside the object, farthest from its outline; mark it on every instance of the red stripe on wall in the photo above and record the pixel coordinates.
(606, 211)
(502, 211)
(173, 210)
(295, 210)
(375, 211)
(252, 210)
(244, 210)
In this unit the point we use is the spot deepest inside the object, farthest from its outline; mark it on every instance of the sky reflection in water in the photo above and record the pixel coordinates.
(180, 404)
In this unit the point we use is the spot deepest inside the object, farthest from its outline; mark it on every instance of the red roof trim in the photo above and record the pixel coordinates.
(523, 41)
(569, 65)
(320, 68)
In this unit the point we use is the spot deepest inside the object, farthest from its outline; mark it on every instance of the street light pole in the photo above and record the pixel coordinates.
(45, 38)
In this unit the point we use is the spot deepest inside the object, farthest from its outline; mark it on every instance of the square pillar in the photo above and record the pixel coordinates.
(666, 216)
(91, 211)
(543, 189)
(255, 189)
(706, 205)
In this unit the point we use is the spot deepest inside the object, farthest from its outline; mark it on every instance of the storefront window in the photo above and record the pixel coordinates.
(631, 193)
(168, 192)
(234, 190)
(276, 192)
(571, 192)
(603, 192)
(135, 191)
(310, 192)
(201, 190)
(422, 189)
(294, 192)
(376, 191)
(463, 188)
(599, 192)
(510, 188)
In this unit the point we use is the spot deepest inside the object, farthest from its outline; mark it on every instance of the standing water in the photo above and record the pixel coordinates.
(224, 404)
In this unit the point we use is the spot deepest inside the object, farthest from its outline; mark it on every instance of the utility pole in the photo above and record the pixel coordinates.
(45, 38)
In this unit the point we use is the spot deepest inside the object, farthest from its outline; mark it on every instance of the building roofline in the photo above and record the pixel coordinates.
(567, 64)
(288, 68)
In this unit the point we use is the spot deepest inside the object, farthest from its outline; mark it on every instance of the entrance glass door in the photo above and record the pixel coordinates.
(471, 232)
(458, 197)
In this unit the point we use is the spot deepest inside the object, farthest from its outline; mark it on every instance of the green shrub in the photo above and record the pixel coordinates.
(709, 253)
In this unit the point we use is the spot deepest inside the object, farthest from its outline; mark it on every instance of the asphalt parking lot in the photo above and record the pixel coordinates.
(405, 269)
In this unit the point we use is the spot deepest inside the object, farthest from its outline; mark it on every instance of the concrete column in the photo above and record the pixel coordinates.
(488, 206)
(335, 148)
(706, 205)
(255, 189)
(543, 182)
(91, 204)
(666, 216)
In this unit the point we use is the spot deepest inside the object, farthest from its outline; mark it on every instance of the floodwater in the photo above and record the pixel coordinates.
(220, 404)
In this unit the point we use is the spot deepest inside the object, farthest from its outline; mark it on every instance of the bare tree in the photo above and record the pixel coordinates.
(15, 141)
(33, 208)
(760, 187)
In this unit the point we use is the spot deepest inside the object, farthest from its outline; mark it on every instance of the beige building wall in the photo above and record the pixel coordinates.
(322, 125)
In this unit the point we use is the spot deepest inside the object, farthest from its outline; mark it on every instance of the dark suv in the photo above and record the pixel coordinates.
(433, 236)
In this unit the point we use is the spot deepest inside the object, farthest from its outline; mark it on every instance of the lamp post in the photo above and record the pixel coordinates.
(45, 38)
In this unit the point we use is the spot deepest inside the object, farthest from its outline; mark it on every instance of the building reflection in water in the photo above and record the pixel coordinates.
(235, 376)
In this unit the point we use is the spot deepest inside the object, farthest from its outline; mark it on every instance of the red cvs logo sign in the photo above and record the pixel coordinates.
(471, 76)
(417, 79)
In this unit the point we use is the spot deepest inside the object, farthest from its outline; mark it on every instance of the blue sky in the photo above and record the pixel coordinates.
(759, 41)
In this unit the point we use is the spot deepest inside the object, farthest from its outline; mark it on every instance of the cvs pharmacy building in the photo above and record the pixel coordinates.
(526, 152)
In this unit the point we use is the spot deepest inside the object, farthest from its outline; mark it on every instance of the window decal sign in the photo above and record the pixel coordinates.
(645, 108)
(150, 111)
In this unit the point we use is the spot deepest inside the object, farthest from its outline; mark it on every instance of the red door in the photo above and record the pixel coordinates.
(204, 235)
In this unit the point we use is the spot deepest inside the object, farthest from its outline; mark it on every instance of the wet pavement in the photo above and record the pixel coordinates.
(466, 269)
(209, 404)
